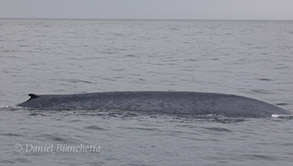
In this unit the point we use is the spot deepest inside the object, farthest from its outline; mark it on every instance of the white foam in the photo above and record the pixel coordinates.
(275, 116)
(281, 116)
(9, 107)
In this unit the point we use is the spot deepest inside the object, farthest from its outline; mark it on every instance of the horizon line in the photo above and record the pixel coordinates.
(146, 19)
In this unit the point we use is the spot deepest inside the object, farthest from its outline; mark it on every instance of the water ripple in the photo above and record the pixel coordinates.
(94, 127)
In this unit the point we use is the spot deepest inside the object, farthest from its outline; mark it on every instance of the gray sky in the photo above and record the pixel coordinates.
(149, 9)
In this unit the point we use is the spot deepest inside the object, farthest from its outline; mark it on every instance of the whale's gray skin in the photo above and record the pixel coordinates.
(189, 103)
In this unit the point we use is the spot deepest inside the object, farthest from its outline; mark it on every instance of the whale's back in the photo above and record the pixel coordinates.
(189, 103)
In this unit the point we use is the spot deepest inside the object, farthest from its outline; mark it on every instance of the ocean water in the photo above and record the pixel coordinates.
(249, 58)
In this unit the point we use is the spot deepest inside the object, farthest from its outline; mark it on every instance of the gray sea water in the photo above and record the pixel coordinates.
(249, 58)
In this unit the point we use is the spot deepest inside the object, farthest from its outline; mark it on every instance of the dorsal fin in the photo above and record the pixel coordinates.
(33, 96)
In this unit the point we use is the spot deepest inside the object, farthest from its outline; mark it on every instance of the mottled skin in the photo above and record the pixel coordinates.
(188, 103)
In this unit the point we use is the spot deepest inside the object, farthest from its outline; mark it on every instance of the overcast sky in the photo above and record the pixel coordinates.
(149, 9)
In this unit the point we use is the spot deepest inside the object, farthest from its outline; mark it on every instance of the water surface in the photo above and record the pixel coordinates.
(249, 58)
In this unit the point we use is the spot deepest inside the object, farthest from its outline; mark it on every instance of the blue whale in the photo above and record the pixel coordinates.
(171, 102)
